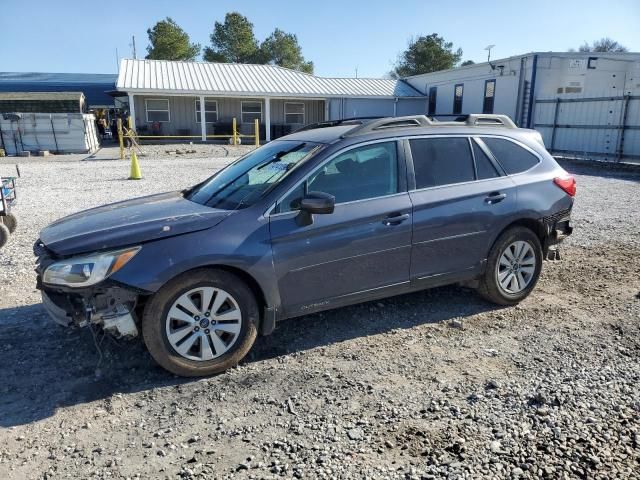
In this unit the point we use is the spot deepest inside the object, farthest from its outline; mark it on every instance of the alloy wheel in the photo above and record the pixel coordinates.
(203, 323)
(516, 268)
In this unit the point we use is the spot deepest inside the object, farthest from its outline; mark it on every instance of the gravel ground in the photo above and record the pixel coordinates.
(436, 384)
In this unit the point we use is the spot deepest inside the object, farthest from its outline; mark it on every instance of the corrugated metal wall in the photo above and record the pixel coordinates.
(374, 107)
(589, 107)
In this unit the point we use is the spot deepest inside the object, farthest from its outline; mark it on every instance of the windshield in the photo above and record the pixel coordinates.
(243, 182)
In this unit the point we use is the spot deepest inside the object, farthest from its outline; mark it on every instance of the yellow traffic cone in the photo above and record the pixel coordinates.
(135, 174)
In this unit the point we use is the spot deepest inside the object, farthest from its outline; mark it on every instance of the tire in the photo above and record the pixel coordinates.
(10, 221)
(160, 328)
(520, 276)
(4, 235)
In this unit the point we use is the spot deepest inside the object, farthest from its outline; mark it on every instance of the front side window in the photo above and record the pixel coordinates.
(251, 111)
(243, 182)
(457, 98)
(157, 109)
(441, 161)
(210, 111)
(293, 113)
(361, 173)
(512, 157)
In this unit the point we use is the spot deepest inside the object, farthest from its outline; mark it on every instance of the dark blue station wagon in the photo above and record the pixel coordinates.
(332, 215)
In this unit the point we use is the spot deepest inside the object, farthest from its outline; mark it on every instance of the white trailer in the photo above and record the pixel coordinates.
(584, 104)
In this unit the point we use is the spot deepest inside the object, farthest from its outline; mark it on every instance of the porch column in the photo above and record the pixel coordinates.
(203, 120)
(267, 119)
(132, 111)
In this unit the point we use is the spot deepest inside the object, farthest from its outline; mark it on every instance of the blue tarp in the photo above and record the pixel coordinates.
(93, 85)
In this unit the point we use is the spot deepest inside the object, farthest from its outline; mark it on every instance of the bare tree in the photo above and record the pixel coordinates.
(605, 44)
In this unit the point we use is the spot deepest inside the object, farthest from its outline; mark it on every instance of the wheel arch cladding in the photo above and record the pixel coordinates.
(535, 225)
(244, 276)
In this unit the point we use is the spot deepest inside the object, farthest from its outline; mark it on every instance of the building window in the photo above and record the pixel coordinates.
(293, 112)
(457, 98)
(157, 110)
(489, 94)
(210, 111)
(251, 111)
(433, 94)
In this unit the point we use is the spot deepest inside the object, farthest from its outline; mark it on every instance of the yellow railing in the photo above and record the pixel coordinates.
(129, 132)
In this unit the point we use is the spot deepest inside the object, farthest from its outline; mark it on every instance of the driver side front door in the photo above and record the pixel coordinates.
(362, 249)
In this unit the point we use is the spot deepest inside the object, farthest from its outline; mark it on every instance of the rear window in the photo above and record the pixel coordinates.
(512, 157)
(441, 161)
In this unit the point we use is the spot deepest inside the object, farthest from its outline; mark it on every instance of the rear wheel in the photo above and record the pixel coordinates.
(513, 267)
(200, 323)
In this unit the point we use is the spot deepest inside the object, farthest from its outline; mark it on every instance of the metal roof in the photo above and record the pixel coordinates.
(93, 85)
(162, 76)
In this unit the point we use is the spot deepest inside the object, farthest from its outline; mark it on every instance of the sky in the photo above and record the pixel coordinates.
(340, 37)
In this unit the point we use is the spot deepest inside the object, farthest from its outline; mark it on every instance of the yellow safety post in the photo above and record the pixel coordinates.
(135, 174)
(120, 140)
(235, 132)
(257, 132)
(129, 123)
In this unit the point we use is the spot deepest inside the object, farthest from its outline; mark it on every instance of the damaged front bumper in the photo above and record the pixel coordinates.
(108, 306)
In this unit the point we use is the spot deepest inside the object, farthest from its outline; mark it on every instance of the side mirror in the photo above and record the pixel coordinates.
(315, 202)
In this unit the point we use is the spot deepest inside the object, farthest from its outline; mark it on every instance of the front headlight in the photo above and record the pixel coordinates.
(89, 270)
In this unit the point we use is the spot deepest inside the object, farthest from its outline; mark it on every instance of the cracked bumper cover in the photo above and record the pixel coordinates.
(108, 306)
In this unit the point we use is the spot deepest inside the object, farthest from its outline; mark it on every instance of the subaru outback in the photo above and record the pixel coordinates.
(332, 215)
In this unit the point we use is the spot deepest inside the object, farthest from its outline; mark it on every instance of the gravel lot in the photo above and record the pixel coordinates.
(437, 384)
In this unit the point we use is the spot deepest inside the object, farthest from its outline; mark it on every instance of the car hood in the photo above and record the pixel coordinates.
(128, 223)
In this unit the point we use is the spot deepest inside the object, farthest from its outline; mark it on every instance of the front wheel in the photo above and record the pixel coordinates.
(10, 221)
(4, 234)
(513, 267)
(200, 323)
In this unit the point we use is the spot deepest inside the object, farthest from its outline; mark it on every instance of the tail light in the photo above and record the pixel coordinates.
(566, 183)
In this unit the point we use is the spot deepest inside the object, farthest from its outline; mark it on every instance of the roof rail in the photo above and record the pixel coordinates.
(477, 119)
(335, 123)
(390, 122)
(471, 120)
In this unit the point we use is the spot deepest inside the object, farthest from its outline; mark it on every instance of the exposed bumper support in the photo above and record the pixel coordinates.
(109, 308)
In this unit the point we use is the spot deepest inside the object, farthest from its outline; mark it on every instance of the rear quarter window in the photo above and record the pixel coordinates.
(512, 157)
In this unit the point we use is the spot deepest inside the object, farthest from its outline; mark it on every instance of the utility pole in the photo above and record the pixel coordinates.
(117, 60)
(356, 72)
(133, 44)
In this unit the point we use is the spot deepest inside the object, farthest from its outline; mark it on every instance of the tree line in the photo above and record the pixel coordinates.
(233, 41)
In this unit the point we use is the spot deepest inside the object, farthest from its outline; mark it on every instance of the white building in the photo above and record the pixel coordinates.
(173, 97)
(584, 104)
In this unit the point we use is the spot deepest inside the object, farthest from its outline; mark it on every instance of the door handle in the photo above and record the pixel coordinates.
(495, 197)
(396, 219)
